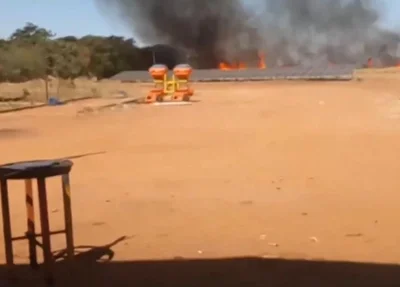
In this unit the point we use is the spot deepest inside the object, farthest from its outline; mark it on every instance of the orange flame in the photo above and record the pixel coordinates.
(224, 66)
(241, 66)
(228, 67)
(261, 61)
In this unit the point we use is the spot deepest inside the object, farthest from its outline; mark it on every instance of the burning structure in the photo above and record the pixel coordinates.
(232, 34)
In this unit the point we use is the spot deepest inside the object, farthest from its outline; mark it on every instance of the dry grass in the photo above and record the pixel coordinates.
(64, 89)
(381, 74)
(391, 70)
(10, 93)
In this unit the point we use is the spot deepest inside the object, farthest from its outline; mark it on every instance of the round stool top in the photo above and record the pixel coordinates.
(35, 169)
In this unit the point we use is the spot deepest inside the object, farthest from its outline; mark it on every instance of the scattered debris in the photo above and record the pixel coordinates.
(85, 110)
(53, 101)
(269, 256)
(273, 244)
(119, 95)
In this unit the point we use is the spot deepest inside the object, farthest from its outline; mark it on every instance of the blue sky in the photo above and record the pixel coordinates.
(63, 17)
(88, 19)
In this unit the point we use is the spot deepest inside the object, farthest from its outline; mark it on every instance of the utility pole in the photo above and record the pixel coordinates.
(154, 57)
(46, 86)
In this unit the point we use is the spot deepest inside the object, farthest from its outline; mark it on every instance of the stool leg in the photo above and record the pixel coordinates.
(5, 207)
(30, 216)
(68, 216)
(44, 222)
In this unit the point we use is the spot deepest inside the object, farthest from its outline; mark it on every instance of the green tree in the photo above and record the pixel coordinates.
(67, 59)
(21, 64)
(24, 54)
(34, 52)
(31, 34)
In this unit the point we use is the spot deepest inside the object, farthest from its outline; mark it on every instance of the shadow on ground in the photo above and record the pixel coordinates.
(94, 267)
(14, 133)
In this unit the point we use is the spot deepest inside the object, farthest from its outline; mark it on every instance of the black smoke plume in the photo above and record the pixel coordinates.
(289, 32)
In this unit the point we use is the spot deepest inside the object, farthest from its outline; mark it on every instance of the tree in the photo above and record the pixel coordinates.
(31, 34)
(68, 59)
(22, 64)
(34, 52)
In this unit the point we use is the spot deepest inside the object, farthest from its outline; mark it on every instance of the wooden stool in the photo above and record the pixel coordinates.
(28, 171)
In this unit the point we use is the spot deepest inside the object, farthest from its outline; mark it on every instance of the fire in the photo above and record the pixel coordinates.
(224, 66)
(261, 61)
(228, 67)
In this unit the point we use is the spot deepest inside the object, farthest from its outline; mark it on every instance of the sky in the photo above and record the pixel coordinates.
(82, 17)
(63, 17)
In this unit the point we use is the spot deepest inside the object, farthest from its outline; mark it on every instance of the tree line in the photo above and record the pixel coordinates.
(32, 52)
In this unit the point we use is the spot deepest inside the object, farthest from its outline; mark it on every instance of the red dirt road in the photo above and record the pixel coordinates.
(299, 170)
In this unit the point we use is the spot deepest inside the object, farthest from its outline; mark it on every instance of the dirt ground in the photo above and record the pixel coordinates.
(263, 170)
